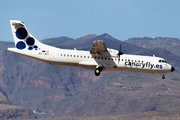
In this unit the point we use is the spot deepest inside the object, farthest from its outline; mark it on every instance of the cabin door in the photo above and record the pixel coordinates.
(51, 56)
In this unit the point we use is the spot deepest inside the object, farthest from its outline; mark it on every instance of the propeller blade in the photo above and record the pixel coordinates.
(119, 53)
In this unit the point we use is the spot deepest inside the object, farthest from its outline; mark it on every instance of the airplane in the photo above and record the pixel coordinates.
(99, 58)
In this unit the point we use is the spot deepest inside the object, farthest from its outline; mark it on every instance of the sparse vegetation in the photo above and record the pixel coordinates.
(141, 38)
(69, 91)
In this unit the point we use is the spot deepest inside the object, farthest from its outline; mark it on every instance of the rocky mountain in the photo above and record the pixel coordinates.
(56, 91)
(10, 111)
(56, 41)
(4, 98)
(167, 43)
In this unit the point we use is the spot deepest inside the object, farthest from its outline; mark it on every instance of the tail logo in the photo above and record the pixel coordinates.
(25, 39)
(20, 45)
(21, 33)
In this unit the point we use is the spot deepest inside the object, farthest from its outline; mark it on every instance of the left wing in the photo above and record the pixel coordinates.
(98, 48)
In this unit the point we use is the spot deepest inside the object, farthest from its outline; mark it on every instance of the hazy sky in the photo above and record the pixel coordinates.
(122, 19)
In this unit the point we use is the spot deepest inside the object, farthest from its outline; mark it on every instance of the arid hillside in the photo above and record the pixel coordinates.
(60, 91)
(10, 111)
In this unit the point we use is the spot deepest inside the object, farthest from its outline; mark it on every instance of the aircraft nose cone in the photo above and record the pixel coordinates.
(172, 69)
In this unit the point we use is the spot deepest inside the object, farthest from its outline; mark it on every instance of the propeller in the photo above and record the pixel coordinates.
(119, 53)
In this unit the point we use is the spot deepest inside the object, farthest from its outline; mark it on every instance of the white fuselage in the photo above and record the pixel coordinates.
(99, 58)
(84, 59)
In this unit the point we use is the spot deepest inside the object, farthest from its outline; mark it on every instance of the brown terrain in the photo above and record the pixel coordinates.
(10, 111)
(74, 93)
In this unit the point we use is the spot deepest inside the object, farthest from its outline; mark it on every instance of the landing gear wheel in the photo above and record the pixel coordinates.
(163, 77)
(97, 72)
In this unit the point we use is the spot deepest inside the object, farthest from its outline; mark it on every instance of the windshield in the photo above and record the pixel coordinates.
(162, 61)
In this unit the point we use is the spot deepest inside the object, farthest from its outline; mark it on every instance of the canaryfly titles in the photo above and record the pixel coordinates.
(143, 65)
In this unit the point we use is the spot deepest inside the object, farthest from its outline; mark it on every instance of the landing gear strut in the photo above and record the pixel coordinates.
(98, 71)
(163, 76)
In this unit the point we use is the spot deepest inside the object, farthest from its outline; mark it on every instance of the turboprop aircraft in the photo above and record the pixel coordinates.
(99, 58)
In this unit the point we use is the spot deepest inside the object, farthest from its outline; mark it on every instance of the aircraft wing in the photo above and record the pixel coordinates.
(98, 48)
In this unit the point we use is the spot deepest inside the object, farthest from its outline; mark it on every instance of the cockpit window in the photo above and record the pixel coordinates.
(162, 61)
(165, 61)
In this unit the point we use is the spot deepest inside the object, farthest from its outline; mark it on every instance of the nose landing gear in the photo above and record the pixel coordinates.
(163, 76)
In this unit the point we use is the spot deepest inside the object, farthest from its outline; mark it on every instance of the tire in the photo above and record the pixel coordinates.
(97, 72)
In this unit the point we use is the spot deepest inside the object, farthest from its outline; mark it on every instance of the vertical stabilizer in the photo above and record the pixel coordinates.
(22, 38)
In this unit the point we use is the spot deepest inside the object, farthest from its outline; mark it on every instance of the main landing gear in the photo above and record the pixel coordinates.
(98, 71)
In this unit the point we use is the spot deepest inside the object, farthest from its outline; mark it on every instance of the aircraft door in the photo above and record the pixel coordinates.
(51, 56)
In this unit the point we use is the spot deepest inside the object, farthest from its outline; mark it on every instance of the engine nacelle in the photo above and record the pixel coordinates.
(112, 52)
